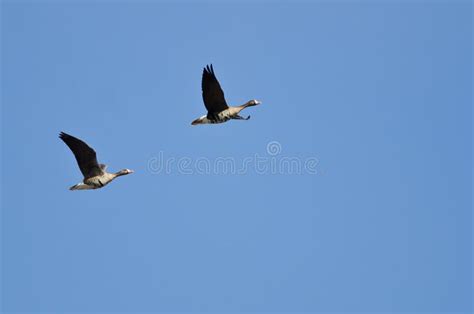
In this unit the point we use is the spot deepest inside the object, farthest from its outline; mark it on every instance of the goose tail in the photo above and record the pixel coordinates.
(80, 186)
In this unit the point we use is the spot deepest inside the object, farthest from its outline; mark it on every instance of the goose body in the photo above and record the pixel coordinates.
(96, 182)
(95, 174)
(213, 96)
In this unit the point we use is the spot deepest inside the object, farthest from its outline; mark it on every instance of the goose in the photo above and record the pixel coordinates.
(95, 174)
(217, 109)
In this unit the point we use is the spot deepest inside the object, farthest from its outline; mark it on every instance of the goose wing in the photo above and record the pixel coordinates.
(212, 93)
(85, 156)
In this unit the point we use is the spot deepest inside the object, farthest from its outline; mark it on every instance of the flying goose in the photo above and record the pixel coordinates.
(217, 109)
(95, 174)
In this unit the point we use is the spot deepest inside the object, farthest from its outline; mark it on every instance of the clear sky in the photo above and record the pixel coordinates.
(378, 93)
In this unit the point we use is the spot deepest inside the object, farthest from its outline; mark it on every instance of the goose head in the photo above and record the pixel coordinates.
(124, 172)
(253, 102)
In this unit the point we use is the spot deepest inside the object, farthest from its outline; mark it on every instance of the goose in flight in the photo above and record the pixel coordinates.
(95, 174)
(217, 109)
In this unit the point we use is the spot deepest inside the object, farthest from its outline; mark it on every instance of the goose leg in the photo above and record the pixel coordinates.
(237, 117)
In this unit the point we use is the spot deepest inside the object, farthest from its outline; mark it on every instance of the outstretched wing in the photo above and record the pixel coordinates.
(212, 93)
(85, 156)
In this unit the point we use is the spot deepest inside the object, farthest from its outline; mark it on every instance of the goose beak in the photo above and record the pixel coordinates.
(195, 122)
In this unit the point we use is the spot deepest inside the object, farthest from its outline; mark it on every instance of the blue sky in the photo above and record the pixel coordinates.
(379, 93)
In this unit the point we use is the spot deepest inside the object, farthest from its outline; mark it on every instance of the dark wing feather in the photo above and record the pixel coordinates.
(212, 93)
(85, 155)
